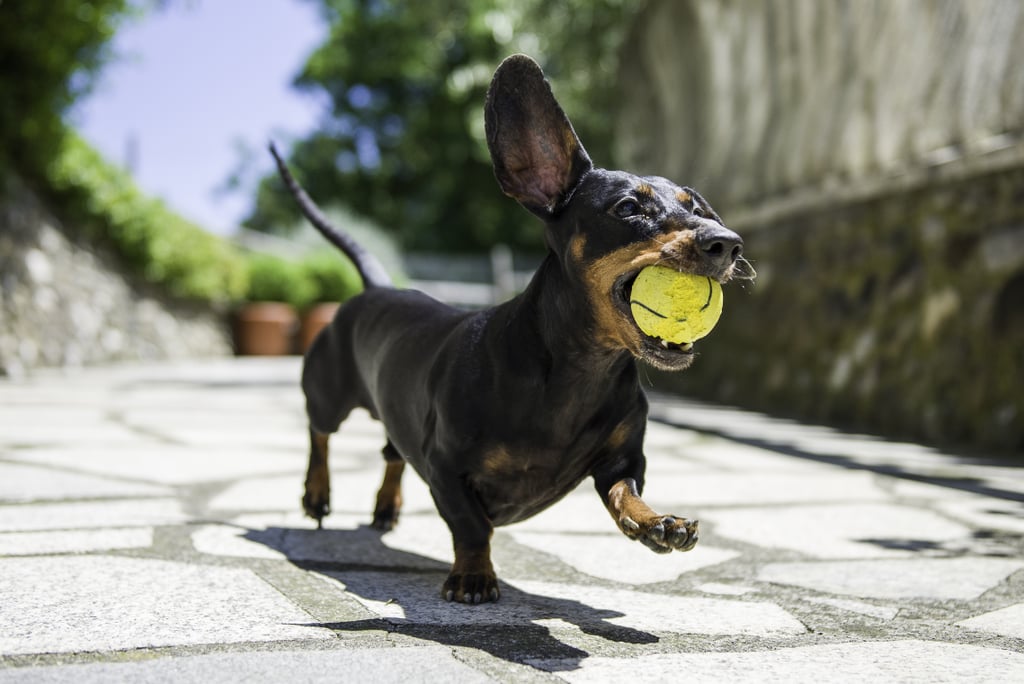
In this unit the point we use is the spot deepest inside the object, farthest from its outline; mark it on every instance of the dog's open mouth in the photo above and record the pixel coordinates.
(660, 353)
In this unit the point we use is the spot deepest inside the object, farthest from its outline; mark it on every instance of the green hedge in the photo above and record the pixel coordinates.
(274, 279)
(334, 278)
(319, 278)
(164, 248)
(173, 253)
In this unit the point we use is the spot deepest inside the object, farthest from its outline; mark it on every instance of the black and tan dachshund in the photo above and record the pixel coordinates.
(504, 411)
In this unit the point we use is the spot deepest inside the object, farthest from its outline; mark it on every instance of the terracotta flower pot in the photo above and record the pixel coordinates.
(314, 321)
(265, 329)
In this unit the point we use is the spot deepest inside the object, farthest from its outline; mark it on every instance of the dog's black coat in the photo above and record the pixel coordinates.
(504, 411)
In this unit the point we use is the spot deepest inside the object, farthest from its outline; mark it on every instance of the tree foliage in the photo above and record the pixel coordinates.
(404, 142)
(49, 51)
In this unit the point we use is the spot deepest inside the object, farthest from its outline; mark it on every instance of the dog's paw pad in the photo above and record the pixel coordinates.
(471, 589)
(662, 534)
(682, 534)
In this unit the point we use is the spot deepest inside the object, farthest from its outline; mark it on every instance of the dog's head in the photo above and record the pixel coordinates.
(604, 226)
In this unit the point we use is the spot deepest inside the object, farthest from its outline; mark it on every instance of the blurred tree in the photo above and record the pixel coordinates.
(49, 52)
(404, 143)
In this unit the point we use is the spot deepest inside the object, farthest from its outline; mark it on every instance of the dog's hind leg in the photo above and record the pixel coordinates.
(316, 500)
(389, 497)
(329, 400)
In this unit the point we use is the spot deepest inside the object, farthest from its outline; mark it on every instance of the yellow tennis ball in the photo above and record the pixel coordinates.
(673, 306)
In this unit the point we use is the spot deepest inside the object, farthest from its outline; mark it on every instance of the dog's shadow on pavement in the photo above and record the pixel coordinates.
(399, 592)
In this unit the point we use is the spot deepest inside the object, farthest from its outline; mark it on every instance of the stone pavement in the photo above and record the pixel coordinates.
(150, 531)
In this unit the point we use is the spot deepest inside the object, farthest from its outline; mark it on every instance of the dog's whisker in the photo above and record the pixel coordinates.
(744, 269)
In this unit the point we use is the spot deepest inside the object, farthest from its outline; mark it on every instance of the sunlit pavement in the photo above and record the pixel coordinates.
(150, 530)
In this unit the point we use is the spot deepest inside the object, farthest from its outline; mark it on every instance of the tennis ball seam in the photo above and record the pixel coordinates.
(670, 305)
(707, 303)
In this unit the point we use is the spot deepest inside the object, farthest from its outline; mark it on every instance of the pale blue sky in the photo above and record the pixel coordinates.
(193, 82)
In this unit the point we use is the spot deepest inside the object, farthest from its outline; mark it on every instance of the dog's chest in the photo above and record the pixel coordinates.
(517, 482)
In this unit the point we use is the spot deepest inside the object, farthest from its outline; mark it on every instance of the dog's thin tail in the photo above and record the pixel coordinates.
(370, 269)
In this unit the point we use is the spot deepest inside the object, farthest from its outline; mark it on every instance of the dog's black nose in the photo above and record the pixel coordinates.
(720, 246)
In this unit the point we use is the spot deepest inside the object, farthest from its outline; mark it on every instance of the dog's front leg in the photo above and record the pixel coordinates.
(472, 578)
(636, 520)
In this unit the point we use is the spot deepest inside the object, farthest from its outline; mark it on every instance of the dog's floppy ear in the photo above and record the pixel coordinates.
(537, 157)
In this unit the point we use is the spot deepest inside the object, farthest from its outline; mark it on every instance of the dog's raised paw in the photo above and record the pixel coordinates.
(663, 533)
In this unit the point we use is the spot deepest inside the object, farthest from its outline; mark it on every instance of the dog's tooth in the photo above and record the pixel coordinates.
(687, 346)
(664, 343)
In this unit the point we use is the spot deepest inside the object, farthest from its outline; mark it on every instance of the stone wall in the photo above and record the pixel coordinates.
(902, 315)
(888, 233)
(67, 303)
(753, 100)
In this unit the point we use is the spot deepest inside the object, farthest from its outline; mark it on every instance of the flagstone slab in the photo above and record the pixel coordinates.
(229, 540)
(419, 665)
(352, 491)
(581, 511)
(22, 483)
(896, 661)
(169, 464)
(934, 578)
(727, 489)
(53, 421)
(725, 589)
(105, 603)
(91, 514)
(415, 599)
(1007, 621)
(76, 541)
(347, 540)
(987, 513)
(268, 493)
(427, 536)
(846, 530)
(212, 426)
(681, 614)
(616, 558)
(860, 607)
(719, 455)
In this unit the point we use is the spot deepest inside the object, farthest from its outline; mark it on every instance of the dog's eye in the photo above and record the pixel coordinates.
(697, 210)
(627, 207)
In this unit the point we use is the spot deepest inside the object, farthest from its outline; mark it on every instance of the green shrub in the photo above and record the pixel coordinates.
(334, 277)
(160, 245)
(171, 252)
(318, 278)
(273, 279)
